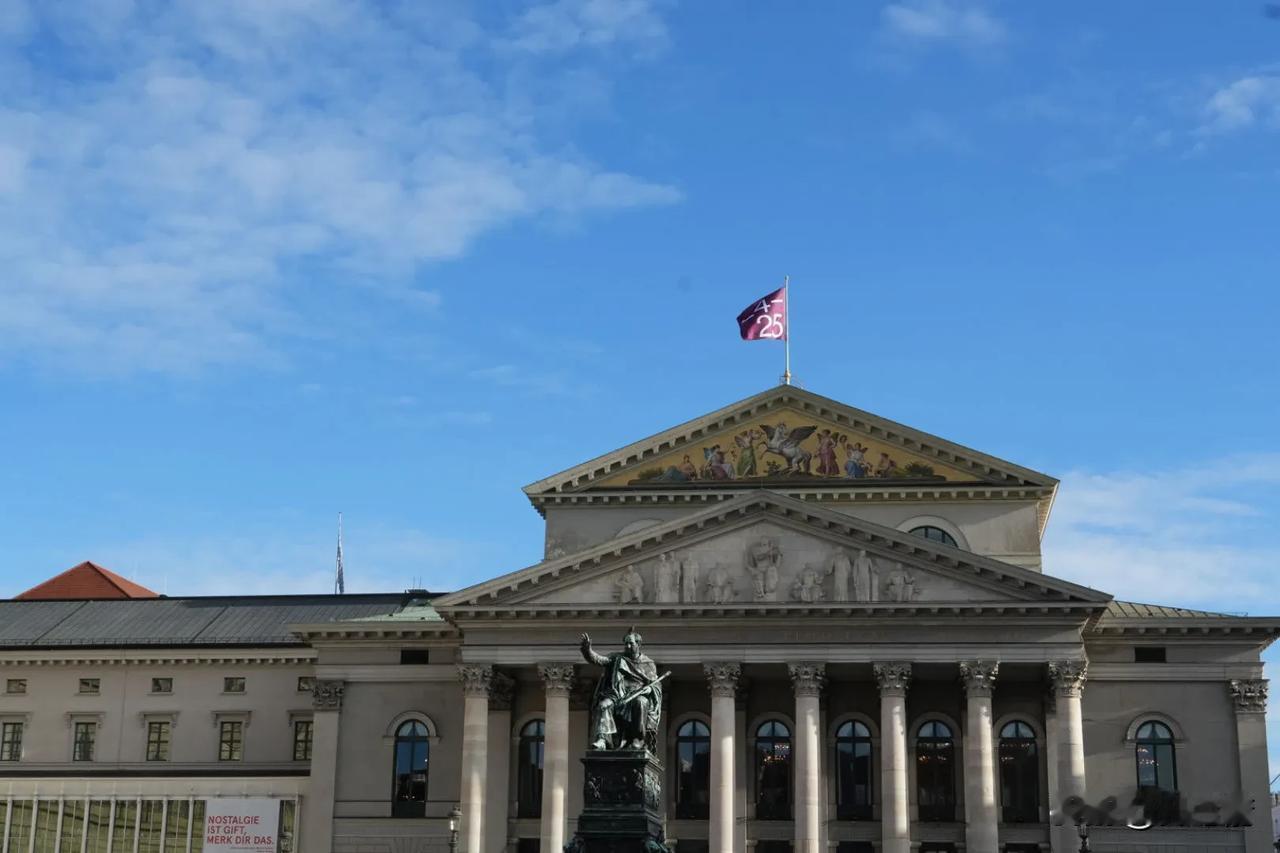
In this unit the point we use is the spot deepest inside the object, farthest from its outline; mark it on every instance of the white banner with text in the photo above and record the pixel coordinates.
(241, 825)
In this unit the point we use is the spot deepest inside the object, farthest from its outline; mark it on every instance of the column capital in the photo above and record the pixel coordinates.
(979, 677)
(327, 695)
(722, 677)
(893, 677)
(807, 678)
(1250, 695)
(1068, 676)
(476, 678)
(558, 678)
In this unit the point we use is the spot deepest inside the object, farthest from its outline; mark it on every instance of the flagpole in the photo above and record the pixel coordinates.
(786, 329)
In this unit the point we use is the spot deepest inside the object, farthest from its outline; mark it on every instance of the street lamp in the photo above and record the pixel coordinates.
(455, 815)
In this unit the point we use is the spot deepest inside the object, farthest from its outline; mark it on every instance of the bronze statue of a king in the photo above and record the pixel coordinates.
(628, 699)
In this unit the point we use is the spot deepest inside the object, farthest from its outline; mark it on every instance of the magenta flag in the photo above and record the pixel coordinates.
(766, 318)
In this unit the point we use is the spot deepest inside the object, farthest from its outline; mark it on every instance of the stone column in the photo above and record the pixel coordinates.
(981, 819)
(555, 753)
(476, 680)
(807, 680)
(317, 812)
(1068, 683)
(742, 766)
(722, 678)
(895, 817)
(498, 775)
(1250, 699)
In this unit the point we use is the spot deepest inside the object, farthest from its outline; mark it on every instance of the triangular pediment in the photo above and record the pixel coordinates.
(786, 436)
(767, 551)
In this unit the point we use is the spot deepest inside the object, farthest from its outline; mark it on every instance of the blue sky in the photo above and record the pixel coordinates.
(262, 263)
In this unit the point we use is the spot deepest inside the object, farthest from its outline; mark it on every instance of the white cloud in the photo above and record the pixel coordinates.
(566, 24)
(164, 182)
(1242, 104)
(942, 21)
(1196, 537)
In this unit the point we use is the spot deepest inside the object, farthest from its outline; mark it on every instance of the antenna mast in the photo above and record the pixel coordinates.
(339, 583)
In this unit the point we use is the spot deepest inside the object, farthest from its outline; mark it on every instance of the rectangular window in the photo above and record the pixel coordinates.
(86, 734)
(303, 732)
(46, 826)
(15, 686)
(528, 845)
(233, 684)
(414, 656)
(197, 826)
(150, 826)
(126, 822)
(305, 683)
(10, 741)
(1149, 654)
(230, 740)
(72, 826)
(158, 740)
(90, 686)
(20, 824)
(162, 685)
(177, 826)
(99, 825)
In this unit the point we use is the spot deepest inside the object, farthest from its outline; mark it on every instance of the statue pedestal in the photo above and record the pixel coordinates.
(622, 802)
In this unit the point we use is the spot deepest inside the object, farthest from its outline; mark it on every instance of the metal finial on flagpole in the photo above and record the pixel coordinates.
(339, 582)
(786, 328)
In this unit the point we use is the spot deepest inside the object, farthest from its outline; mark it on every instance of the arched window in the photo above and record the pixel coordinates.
(937, 534)
(693, 771)
(410, 779)
(1019, 774)
(853, 771)
(529, 787)
(935, 772)
(1153, 751)
(773, 771)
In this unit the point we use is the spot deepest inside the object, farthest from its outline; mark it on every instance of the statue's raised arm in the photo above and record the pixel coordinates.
(589, 654)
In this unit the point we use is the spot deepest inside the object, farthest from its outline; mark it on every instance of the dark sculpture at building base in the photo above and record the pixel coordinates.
(622, 786)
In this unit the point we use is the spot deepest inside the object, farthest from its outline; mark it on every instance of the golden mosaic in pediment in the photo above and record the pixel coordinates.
(785, 445)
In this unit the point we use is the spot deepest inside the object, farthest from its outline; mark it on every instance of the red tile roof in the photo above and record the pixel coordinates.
(87, 580)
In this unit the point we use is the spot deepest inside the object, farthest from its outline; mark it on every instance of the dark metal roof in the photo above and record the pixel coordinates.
(212, 621)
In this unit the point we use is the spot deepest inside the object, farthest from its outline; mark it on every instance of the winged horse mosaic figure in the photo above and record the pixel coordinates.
(781, 442)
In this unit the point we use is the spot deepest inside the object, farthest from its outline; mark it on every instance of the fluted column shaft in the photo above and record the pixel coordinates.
(476, 680)
(555, 754)
(722, 678)
(1250, 699)
(807, 680)
(895, 817)
(982, 827)
(1068, 685)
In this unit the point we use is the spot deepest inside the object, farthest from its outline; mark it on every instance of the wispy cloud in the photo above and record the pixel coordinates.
(935, 22)
(1199, 536)
(568, 24)
(166, 173)
(1244, 103)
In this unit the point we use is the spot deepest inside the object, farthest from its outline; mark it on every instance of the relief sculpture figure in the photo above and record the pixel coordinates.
(668, 579)
(808, 587)
(841, 571)
(902, 586)
(720, 585)
(627, 705)
(689, 590)
(763, 562)
(866, 580)
(630, 586)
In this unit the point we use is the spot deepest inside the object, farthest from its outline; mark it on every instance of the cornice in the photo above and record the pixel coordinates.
(1073, 613)
(1259, 629)
(834, 492)
(430, 634)
(981, 465)
(108, 657)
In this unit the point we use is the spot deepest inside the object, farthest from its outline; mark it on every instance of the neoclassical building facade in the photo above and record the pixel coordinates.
(864, 655)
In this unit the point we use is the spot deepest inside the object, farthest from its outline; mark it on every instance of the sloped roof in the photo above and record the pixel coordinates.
(197, 621)
(86, 581)
(1136, 610)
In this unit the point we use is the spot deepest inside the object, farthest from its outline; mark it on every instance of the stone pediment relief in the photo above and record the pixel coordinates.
(766, 563)
(766, 549)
